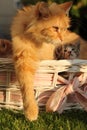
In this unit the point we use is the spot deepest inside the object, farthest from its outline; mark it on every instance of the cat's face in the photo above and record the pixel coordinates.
(71, 51)
(68, 51)
(50, 23)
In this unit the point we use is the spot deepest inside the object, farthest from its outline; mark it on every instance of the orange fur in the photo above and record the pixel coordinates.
(36, 31)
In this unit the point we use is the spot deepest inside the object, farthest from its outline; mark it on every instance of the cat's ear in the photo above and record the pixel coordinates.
(42, 10)
(66, 6)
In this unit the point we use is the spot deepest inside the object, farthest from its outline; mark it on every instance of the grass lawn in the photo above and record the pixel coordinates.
(69, 120)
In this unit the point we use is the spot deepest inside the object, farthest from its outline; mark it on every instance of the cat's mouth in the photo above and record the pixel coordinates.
(52, 41)
(69, 56)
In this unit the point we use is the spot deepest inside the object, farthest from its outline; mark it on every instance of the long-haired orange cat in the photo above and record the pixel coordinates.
(36, 32)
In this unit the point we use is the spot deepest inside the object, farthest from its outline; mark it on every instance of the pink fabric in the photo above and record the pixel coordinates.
(78, 87)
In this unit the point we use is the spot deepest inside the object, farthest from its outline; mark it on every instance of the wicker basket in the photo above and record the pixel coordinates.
(47, 74)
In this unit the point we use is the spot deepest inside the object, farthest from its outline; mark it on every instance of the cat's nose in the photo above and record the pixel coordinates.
(60, 37)
(69, 52)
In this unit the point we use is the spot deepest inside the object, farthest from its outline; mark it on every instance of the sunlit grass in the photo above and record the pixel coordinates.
(69, 120)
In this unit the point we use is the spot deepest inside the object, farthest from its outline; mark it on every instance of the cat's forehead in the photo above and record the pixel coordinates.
(70, 45)
(73, 44)
(59, 15)
(60, 20)
(63, 21)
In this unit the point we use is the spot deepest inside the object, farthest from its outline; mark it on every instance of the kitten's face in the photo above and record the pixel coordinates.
(68, 51)
(71, 51)
(50, 24)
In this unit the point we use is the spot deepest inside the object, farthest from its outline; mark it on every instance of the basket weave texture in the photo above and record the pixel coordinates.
(46, 81)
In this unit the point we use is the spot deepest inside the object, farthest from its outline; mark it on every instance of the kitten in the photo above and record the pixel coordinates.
(36, 31)
(68, 51)
(71, 51)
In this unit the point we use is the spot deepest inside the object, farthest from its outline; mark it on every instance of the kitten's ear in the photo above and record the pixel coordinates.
(42, 10)
(66, 6)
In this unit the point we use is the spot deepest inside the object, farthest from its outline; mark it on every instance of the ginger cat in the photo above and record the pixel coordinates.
(36, 32)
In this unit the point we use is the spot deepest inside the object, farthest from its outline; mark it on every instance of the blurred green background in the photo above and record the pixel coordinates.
(78, 14)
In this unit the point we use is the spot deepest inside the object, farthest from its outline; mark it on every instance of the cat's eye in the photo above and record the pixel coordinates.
(73, 49)
(56, 28)
(68, 28)
(65, 50)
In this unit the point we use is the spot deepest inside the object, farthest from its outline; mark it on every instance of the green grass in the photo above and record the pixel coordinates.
(69, 120)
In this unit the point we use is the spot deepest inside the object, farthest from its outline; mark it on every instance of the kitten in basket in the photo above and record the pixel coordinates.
(36, 31)
(69, 50)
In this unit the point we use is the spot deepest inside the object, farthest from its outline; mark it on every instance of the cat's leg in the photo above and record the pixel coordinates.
(25, 69)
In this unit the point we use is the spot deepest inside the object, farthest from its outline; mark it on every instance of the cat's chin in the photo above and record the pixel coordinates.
(71, 57)
(55, 42)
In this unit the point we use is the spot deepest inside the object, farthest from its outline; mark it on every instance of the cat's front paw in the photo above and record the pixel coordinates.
(31, 112)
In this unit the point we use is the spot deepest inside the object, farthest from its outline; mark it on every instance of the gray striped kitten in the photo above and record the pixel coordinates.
(68, 51)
